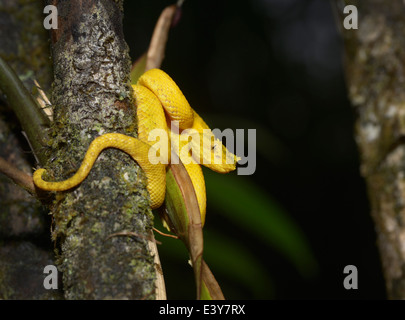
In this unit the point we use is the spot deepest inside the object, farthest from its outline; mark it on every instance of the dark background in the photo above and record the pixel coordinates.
(275, 66)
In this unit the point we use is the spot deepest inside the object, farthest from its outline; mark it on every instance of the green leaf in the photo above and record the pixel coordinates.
(245, 204)
(138, 68)
(210, 289)
(183, 213)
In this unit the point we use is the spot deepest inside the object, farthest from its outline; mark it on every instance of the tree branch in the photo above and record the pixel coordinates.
(33, 121)
(375, 64)
(19, 177)
(91, 96)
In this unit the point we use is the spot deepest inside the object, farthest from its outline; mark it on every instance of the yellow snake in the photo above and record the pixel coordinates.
(157, 95)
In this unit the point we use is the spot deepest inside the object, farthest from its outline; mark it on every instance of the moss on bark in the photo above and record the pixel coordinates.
(92, 96)
(374, 65)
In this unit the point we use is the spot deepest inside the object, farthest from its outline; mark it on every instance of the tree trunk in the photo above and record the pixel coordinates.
(374, 66)
(91, 96)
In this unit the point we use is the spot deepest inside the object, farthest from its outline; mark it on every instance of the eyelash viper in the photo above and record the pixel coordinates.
(156, 89)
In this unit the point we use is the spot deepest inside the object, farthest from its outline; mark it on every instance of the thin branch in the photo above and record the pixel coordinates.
(156, 51)
(19, 177)
(160, 287)
(32, 119)
(165, 234)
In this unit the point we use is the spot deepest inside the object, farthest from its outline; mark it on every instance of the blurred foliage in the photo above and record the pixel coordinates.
(244, 203)
(272, 65)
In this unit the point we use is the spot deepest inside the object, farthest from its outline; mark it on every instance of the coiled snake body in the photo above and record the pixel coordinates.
(157, 95)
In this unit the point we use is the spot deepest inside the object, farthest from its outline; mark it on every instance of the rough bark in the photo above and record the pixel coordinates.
(92, 96)
(374, 66)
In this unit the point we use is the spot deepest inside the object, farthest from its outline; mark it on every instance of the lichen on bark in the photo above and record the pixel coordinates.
(374, 67)
(92, 96)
